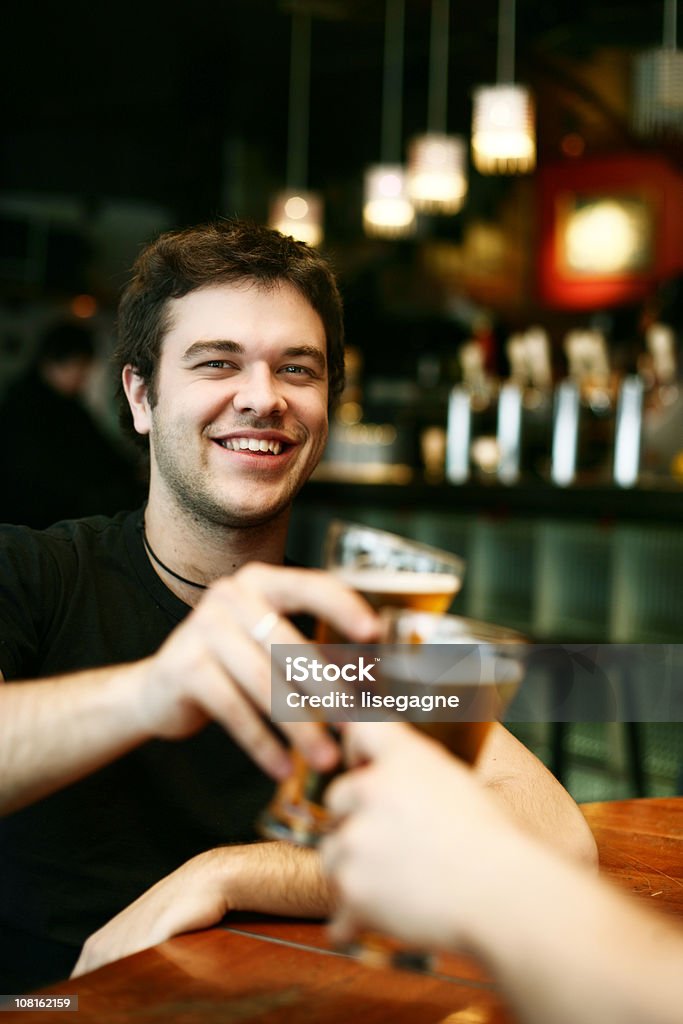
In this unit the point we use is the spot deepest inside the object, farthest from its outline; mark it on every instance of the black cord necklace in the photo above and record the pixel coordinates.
(176, 575)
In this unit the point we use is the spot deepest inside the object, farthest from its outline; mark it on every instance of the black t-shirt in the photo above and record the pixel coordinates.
(80, 595)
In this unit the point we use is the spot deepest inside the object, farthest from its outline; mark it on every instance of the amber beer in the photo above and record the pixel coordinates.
(296, 812)
(466, 739)
(483, 699)
(389, 570)
(386, 588)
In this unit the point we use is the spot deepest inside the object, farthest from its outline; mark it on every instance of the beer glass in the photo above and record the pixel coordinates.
(485, 679)
(390, 571)
(387, 570)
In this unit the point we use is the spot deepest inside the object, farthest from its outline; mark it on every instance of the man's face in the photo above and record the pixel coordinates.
(240, 420)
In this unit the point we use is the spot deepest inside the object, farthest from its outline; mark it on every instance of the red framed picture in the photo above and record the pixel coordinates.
(611, 228)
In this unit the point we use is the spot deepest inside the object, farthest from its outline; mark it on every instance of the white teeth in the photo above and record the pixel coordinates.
(252, 444)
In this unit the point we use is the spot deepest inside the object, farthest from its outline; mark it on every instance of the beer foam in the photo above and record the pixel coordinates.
(395, 581)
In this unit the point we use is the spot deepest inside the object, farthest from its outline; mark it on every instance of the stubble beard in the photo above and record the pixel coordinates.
(187, 486)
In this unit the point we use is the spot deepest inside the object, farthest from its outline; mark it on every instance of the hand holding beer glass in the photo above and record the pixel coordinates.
(387, 570)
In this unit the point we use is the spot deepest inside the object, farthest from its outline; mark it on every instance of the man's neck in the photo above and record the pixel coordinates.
(202, 552)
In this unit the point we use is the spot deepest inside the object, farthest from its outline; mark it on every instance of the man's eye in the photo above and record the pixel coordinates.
(217, 364)
(296, 370)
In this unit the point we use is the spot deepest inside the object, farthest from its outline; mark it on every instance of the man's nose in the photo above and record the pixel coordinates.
(259, 392)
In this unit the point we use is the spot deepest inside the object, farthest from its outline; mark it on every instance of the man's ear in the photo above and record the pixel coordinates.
(136, 392)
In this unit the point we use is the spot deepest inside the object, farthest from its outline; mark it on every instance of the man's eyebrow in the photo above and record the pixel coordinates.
(309, 351)
(199, 348)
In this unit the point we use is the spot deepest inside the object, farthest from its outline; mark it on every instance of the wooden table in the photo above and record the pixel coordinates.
(278, 972)
(641, 848)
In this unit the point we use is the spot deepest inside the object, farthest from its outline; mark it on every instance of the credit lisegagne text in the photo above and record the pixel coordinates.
(368, 699)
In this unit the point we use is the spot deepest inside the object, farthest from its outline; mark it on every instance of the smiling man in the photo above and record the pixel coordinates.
(155, 625)
(238, 423)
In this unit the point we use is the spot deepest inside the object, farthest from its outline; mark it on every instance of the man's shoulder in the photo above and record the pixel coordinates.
(70, 597)
(91, 529)
(66, 544)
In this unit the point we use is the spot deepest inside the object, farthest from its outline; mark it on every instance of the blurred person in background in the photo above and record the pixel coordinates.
(55, 460)
(422, 852)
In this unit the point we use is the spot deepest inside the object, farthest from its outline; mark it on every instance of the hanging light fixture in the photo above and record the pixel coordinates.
(295, 211)
(503, 135)
(387, 209)
(658, 84)
(437, 175)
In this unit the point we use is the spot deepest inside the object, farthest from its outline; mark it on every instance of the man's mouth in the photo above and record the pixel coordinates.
(251, 444)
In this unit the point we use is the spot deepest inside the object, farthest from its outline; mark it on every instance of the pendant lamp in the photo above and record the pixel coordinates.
(296, 211)
(437, 173)
(387, 209)
(658, 84)
(503, 133)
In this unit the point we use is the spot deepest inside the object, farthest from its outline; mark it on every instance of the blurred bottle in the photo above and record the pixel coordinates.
(663, 404)
(585, 411)
(628, 433)
(525, 406)
(471, 442)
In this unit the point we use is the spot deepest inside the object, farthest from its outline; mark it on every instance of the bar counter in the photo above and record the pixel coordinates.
(280, 971)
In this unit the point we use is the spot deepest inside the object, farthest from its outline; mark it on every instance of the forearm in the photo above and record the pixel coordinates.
(55, 731)
(565, 946)
(534, 798)
(270, 878)
(276, 878)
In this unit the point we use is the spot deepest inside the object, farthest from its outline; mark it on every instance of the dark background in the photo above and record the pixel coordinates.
(142, 99)
(123, 119)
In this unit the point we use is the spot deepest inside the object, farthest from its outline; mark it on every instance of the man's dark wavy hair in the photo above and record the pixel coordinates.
(222, 252)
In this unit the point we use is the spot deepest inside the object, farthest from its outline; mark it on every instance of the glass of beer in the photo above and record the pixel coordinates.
(484, 675)
(388, 570)
(422, 668)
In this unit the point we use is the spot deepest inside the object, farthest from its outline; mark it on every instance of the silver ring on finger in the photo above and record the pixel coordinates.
(265, 626)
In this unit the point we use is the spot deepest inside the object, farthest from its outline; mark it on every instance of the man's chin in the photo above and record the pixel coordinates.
(255, 519)
(242, 504)
(246, 517)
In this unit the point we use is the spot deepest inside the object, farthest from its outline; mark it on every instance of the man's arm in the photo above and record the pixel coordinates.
(565, 946)
(533, 796)
(55, 731)
(277, 878)
(568, 947)
(273, 878)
